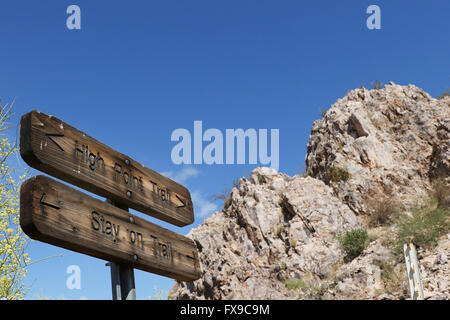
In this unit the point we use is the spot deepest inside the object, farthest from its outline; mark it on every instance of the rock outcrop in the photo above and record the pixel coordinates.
(389, 141)
(435, 270)
(273, 228)
(277, 236)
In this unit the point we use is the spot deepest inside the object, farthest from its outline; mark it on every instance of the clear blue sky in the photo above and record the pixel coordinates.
(137, 70)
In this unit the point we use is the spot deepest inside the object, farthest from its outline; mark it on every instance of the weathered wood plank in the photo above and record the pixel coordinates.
(56, 148)
(60, 215)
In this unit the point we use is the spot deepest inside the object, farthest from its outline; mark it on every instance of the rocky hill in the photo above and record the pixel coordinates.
(280, 237)
(390, 141)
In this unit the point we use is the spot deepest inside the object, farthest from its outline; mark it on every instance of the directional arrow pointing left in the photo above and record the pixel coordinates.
(42, 201)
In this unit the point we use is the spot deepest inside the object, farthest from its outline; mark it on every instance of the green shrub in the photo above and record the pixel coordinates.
(354, 242)
(261, 179)
(337, 174)
(310, 287)
(424, 227)
(294, 284)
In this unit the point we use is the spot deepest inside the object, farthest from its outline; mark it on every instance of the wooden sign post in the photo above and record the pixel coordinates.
(60, 215)
(413, 272)
(56, 148)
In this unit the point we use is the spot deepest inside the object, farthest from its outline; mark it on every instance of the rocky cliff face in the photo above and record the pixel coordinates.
(277, 236)
(274, 227)
(390, 141)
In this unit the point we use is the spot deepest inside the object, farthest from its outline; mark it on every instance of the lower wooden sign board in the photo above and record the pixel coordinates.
(60, 215)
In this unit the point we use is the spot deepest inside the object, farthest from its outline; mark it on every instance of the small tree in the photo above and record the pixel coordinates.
(337, 174)
(354, 242)
(13, 242)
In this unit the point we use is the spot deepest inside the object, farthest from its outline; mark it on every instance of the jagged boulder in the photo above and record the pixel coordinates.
(375, 143)
(435, 270)
(273, 228)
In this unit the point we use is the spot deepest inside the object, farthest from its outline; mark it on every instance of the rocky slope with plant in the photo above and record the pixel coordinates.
(377, 173)
(377, 143)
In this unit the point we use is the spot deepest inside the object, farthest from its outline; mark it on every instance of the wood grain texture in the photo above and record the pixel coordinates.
(60, 215)
(56, 148)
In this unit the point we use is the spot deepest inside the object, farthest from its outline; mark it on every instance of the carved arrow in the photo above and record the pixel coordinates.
(184, 204)
(42, 202)
(50, 135)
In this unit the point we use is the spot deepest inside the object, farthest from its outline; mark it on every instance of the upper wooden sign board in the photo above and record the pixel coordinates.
(56, 148)
(60, 215)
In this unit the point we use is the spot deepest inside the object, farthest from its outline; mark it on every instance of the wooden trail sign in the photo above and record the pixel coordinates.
(56, 148)
(60, 215)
